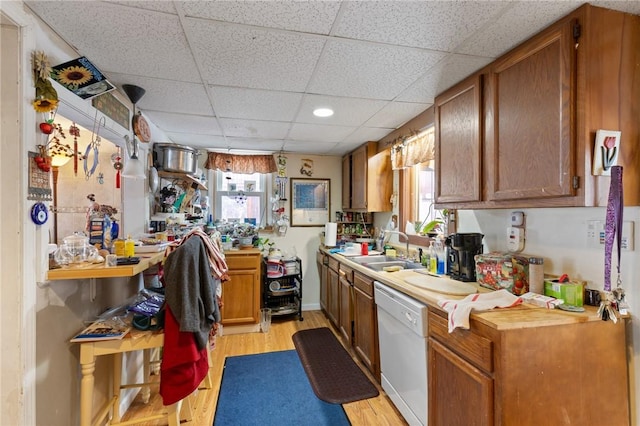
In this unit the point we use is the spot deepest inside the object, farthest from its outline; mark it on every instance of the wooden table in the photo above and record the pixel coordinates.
(89, 351)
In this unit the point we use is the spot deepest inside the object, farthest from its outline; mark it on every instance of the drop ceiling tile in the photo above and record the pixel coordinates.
(395, 114)
(254, 128)
(444, 75)
(319, 132)
(308, 17)
(437, 25)
(318, 148)
(184, 123)
(232, 102)
(235, 55)
(158, 6)
(520, 21)
(347, 111)
(120, 39)
(198, 141)
(248, 144)
(167, 96)
(369, 70)
(366, 134)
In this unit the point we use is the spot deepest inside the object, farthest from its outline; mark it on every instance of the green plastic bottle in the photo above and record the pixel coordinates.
(433, 259)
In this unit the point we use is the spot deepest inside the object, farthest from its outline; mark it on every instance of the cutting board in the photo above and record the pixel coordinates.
(442, 285)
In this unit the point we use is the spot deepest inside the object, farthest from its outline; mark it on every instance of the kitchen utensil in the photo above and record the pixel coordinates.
(177, 158)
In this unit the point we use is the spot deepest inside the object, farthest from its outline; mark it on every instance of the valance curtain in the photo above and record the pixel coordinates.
(245, 164)
(413, 149)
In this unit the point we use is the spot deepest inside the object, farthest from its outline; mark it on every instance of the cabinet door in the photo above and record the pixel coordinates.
(379, 182)
(345, 320)
(333, 297)
(324, 275)
(530, 112)
(458, 142)
(459, 393)
(240, 304)
(359, 159)
(346, 182)
(365, 330)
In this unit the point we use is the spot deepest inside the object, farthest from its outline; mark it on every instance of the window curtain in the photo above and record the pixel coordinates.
(245, 164)
(416, 148)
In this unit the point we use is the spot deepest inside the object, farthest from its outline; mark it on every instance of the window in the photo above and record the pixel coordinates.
(240, 197)
(417, 189)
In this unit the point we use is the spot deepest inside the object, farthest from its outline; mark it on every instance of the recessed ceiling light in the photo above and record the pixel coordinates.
(323, 112)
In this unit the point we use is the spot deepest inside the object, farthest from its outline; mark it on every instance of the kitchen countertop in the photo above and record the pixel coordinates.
(101, 271)
(522, 316)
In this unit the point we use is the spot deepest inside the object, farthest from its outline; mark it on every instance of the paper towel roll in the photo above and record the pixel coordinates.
(330, 234)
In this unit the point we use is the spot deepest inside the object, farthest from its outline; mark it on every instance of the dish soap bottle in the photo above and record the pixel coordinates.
(129, 247)
(433, 259)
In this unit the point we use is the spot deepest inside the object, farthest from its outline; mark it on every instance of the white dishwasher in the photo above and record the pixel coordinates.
(402, 334)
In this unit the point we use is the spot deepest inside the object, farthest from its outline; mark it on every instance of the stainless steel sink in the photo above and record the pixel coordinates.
(373, 258)
(405, 264)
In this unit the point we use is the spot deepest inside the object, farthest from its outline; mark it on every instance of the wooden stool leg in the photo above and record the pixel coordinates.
(86, 392)
(173, 413)
(117, 382)
(145, 392)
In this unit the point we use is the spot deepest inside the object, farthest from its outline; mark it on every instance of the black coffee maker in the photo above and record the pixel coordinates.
(462, 248)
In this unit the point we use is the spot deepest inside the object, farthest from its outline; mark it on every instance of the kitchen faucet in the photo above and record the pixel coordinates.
(387, 231)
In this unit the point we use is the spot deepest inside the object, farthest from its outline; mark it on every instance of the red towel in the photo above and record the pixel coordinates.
(183, 365)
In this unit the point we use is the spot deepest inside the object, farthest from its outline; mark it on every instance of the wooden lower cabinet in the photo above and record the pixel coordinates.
(365, 327)
(345, 321)
(241, 294)
(322, 262)
(333, 292)
(573, 374)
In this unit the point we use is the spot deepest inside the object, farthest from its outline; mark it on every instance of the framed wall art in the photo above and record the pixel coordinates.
(310, 201)
(605, 152)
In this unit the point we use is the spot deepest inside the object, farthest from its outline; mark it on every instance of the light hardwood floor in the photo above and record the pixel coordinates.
(374, 411)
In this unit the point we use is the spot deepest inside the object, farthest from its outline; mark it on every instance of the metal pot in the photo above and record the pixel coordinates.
(177, 158)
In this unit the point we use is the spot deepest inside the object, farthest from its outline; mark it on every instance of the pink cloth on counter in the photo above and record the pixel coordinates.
(459, 310)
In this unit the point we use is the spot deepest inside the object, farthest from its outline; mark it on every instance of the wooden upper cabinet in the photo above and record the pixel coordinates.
(346, 182)
(529, 110)
(359, 167)
(371, 180)
(458, 142)
(521, 132)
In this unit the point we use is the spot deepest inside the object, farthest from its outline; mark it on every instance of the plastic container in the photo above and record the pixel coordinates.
(433, 259)
(536, 275)
(265, 319)
(129, 247)
(118, 247)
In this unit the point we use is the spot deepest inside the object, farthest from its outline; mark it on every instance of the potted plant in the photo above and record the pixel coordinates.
(245, 233)
(435, 226)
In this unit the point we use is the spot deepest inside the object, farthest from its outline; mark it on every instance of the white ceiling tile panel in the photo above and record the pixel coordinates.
(168, 96)
(319, 132)
(520, 21)
(122, 39)
(369, 70)
(437, 25)
(254, 128)
(231, 102)
(198, 141)
(159, 6)
(234, 55)
(395, 114)
(444, 75)
(347, 111)
(309, 17)
(183, 123)
(302, 147)
(365, 134)
(267, 145)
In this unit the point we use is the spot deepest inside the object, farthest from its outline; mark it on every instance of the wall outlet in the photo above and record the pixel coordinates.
(596, 234)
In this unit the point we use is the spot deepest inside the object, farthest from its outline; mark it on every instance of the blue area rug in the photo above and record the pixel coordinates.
(271, 389)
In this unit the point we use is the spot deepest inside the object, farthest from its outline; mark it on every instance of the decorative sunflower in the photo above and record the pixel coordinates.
(45, 105)
(46, 96)
(74, 76)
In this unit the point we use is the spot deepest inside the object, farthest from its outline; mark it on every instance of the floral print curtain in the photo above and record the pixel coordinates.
(415, 148)
(245, 164)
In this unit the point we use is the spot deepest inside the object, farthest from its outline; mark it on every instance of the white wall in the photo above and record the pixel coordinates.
(559, 236)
